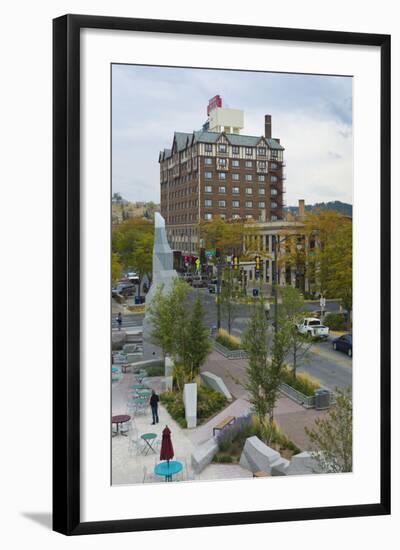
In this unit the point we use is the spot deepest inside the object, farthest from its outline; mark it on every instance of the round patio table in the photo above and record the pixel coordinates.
(148, 439)
(143, 393)
(120, 419)
(138, 387)
(168, 469)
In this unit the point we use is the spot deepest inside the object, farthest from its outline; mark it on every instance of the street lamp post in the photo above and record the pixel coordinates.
(218, 295)
(274, 274)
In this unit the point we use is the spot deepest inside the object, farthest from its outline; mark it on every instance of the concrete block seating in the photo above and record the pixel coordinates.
(203, 455)
(257, 456)
(190, 402)
(303, 464)
(280, 467)
(216, 383)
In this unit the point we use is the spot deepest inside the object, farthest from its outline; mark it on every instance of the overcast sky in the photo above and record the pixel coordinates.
(312, 115)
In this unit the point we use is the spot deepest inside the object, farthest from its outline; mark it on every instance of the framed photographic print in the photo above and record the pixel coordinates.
(221, 240)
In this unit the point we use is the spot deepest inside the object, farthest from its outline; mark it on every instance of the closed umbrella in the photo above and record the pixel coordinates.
(167, 450)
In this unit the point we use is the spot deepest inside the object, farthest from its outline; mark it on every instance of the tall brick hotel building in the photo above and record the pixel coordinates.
(217, 172)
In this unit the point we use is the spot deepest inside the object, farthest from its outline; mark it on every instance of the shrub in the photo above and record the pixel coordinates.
(335, 321)
(157, 369)
(227, 340)
(209, 402)
(303, 383)
(231, 439)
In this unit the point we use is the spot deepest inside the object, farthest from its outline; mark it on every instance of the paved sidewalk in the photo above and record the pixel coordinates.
(291, 417)
(199, 435)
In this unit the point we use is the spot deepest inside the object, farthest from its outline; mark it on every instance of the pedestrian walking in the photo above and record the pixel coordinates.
(266, 309)
(154, 399)
(119, 320)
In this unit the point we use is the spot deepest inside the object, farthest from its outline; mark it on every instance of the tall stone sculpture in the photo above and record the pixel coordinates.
(163, 275)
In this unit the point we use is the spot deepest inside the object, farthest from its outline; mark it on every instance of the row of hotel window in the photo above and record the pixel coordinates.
(223, 148)
(236, 190)
(236, 177)
(261, 164)
(209, 216)
(236, 204)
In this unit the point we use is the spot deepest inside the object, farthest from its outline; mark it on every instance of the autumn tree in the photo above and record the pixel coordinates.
(332, 436)
(116, 267)
(132, 241)
(218, 233)
(325, 254)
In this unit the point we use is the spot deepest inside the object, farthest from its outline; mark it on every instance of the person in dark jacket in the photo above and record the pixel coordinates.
(119, 320)
(154, 399)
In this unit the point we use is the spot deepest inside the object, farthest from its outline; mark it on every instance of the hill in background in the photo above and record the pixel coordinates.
(342, 207)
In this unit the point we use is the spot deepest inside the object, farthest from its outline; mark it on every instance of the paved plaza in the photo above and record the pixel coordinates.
(133, 461)
(130, 466)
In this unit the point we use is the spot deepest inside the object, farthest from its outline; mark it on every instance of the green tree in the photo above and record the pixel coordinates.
(198, 342)
(255, 343)
(264, 369)
(162, 316)
(333, 436)
(290, 313)
(178, 329)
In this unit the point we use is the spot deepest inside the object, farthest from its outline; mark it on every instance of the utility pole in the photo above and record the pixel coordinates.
(218, 294)
(274, 282)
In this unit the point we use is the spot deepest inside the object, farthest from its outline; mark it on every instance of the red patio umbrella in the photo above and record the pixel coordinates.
(167, 450)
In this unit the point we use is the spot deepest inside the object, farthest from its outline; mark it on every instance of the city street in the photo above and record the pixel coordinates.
(332, 368)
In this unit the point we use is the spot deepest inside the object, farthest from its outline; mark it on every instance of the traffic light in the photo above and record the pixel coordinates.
(218, 253)
(235, 262)
(259, 266)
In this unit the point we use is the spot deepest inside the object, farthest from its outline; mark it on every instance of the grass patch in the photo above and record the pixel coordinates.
(227, 340)
(209, 403)
(304, 383)
(231, 440)
(140, 308)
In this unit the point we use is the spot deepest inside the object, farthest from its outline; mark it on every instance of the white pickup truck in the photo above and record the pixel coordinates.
(313, 327)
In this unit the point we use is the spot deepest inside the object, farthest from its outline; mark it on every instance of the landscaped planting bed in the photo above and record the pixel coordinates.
(303, 383)
(231, 439)
(227, 340)
(209, 403)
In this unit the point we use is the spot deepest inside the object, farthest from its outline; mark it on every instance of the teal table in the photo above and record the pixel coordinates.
(143, 393)
(149, 439)
(168, 469)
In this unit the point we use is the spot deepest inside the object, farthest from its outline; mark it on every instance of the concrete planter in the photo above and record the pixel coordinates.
(228, 353)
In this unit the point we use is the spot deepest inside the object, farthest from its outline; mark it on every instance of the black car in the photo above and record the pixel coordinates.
(344, 343)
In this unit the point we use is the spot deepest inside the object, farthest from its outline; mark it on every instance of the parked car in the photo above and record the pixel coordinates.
(199, 282)
(188, 277)
(128, 291)
(212, 288)
(344, 343)
(313, 327)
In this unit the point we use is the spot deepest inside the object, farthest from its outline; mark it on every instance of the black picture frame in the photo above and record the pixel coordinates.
(66, 273)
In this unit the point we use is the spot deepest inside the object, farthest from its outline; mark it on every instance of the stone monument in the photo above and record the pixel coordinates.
(163, 276)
